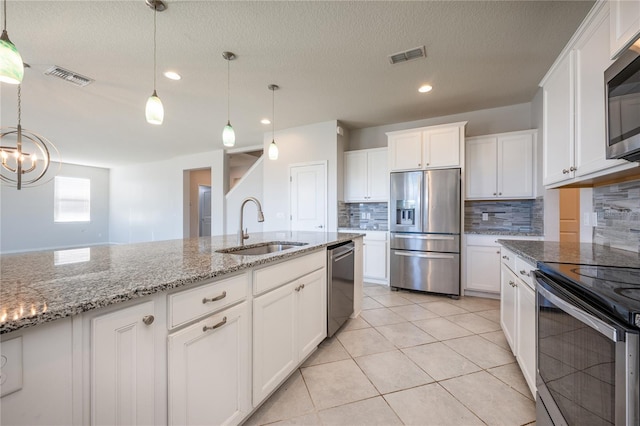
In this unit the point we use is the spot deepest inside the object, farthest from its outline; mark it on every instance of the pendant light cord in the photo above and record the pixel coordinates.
(5, 16)
(155, 13)
(19, 103)
(228, 91)
(273, 114)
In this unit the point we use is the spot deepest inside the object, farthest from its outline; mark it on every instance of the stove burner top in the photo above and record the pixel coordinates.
(629, 292)
(627, 276)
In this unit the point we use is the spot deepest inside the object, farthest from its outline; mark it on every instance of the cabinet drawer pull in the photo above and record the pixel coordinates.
(213, 327)
(215, 299)
(512, 284)
(300, 287)
(505, 257)
(523, 272)
(148, 319)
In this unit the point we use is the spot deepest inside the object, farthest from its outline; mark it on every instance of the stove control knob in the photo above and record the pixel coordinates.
(637, 320)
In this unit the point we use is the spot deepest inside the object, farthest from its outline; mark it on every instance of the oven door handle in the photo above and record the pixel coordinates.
(424, 255)
(597, 324)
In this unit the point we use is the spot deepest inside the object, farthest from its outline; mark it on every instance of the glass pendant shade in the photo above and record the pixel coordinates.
(228, 135)
(154, 110)
(11, 66)
(273, 150)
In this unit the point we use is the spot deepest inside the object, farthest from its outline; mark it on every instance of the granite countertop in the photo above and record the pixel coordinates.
(352, 229)
(38, 287)
(578, 253)
(515, 233)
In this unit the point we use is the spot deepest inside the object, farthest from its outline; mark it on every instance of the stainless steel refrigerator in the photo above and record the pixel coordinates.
(425, 231)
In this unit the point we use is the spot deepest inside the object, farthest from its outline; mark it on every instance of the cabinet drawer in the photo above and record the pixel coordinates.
(508, 258)
(375, 236)
(188, 305)
(523, 271)
(274, 276)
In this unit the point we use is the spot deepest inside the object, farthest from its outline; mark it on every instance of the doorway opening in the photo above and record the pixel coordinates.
(197, 203)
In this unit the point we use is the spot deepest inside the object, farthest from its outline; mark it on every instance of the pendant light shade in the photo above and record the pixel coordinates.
(11, 66)
(154, 111)
(228, 134)
(273, 148)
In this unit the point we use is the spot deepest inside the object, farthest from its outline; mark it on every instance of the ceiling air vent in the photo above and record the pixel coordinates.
(69, 76)
(408, 55)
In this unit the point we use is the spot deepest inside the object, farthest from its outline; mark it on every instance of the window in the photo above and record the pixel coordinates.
(71, 199)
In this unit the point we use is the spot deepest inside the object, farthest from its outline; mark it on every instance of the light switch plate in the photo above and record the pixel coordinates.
(10, 366)
(586, 219)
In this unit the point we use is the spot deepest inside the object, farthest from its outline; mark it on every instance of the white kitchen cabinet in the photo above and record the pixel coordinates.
(508, 301)
(501, 166)
(376, 248)
(288, 323)
(625, 25)
(123, 366)
(209, 370)
(358, 284)
(573, 107)
(483, 268)
(366, 176)
(526, 334)
(426, 147)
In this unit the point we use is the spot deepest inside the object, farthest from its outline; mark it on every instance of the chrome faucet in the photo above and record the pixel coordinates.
(243, 235)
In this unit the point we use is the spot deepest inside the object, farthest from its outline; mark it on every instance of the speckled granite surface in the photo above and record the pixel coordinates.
(579, 253)
(524, 234)
(38, 287)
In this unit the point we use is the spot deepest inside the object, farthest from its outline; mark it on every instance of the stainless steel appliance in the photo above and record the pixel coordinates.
(425, 231)
(622, 82)
(587, 344)
(340, 284)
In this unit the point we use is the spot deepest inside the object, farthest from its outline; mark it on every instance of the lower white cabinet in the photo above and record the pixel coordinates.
(508, 305)
(123, 366)
(483, 268)
(526, 335)
(288, 323)
(209, 370)
(376, 248)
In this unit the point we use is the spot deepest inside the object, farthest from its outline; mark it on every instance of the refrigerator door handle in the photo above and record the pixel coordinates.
(425, 237)
(425, 255)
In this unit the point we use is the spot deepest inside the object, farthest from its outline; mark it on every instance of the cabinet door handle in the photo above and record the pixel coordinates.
(523, 272)
(300, 287)
(498, 252)
(494, 193)
(500, 193)
(419, 165)
(565, 171)
(215, 299)
(218, 325)
(573, 169)
(505, 257)
(512, 284)
(148, 319)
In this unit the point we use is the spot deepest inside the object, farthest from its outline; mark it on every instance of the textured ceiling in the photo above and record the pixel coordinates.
(329, 58)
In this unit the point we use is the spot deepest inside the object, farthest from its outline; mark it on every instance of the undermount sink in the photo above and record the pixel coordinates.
(263, 248)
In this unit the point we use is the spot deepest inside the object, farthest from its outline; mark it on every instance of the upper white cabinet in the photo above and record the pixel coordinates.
(624, 21)
(501, 166)
(573, 107)
(366, 176)
(426, 147)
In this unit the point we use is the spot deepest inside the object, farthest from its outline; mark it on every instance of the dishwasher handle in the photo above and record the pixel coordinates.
(339, 256)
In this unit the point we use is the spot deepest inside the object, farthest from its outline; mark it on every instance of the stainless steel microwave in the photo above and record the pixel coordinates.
(622, 104)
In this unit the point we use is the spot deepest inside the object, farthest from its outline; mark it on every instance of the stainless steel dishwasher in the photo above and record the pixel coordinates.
(340, 264)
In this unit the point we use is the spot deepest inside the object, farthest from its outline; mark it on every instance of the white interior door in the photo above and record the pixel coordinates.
(308, 197)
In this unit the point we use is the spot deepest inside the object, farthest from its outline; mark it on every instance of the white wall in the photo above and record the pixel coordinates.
(315, 142)
(250, 185)
(481, 122)
(27, 215)
(147, 200)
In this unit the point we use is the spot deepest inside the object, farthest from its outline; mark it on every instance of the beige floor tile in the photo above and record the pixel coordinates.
(512, 375)
(444, 308)
(306, 420)
(491, 315)
(498, 338)
(364, 342)
(337, 383)
(355, 324)
(374, 411)
(329, 350)
(439, 361)
(491, 400)
(376, 290)
(405, 334)
(481, 351)
(392, 371)
(382, 316)
(413, 312)
(392, 299)
(475, 323)
(417, 297)
(442, 329)
(291, 400)
(430, 405)
(369, 303)
(475, 304)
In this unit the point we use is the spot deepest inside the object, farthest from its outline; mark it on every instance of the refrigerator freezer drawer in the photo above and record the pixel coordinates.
(426, 242)
(426, 271)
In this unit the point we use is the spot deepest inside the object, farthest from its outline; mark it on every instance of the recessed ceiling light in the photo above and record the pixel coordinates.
(172, 75)
(265, 121)
(425, 88)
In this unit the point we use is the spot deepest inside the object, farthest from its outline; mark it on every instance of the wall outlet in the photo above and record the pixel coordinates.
(11, 366)
(363, 215)
(485, 216)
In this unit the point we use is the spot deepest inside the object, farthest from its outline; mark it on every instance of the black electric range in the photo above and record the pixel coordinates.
(615, 290)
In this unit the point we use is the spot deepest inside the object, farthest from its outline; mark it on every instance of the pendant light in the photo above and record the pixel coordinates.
(273, 148)
(11, 66)
(154, 110)
(228, 134)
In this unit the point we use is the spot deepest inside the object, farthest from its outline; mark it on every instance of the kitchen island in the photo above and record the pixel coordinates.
(159, 332)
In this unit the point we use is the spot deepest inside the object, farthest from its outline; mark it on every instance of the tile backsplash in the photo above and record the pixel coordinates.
(363, 215)
(618, 209)
(525, 216)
